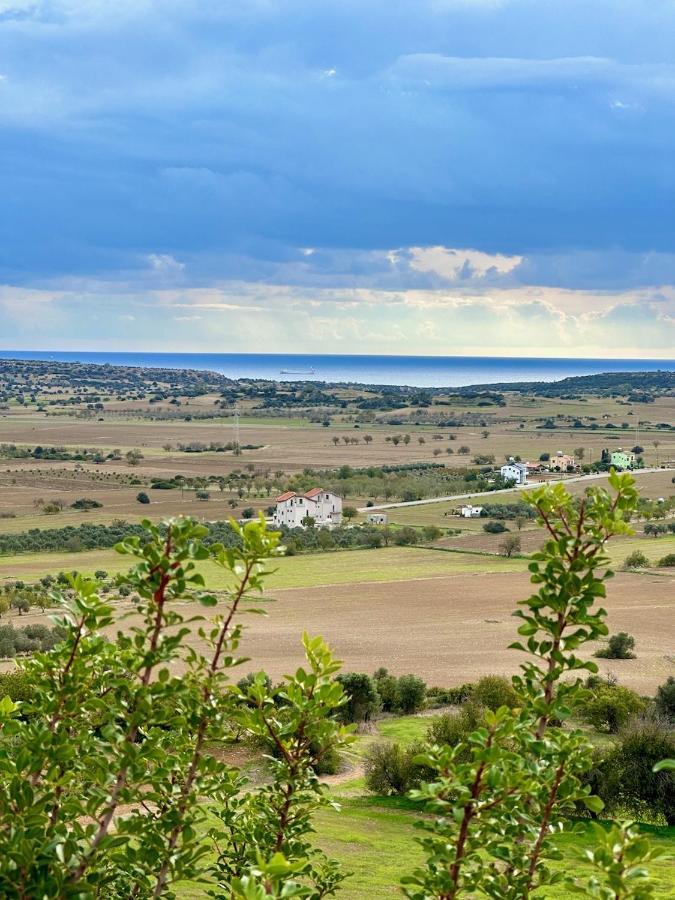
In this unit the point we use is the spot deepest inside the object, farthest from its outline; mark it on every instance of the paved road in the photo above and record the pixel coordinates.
(487, 494)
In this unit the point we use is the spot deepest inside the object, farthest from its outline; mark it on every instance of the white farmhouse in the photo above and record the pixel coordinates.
(470, 512)
(514, 471)
(322, 506)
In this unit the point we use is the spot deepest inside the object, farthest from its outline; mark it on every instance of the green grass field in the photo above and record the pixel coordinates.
(344, 567)
(374, 839)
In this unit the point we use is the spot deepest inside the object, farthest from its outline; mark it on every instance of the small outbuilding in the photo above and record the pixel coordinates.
(470, 512)
(377, 519)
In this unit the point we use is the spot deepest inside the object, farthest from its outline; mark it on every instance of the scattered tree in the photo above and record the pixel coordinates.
(510, 545)
(619, 646)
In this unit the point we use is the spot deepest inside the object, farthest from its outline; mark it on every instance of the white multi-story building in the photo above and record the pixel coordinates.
(324, 507)
(514, 471)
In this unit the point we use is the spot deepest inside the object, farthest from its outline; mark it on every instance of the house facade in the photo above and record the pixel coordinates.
(562, 462)
(514, 471)
(622, 459)
(324, 507)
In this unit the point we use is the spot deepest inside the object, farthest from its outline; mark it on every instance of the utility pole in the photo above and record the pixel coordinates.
(237, 443)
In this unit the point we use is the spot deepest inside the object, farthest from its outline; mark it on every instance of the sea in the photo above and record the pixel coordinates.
(416, 371)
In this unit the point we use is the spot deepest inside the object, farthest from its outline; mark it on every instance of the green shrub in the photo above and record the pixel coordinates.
(611, 707)
(28, 639)
(494, 527)
(412, 692)
(619, 646)
(86, 503)
(636, 560)
(493, 691)
(665, 699)
(453, 696)
(363, 700)
(630, 785)
(16, 685)
(142, 497)
(405, 536)
(391, 769)
(668, 560)
(387, 688)
(451, 728)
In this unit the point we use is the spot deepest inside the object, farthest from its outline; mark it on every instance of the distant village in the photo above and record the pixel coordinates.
(323, 508)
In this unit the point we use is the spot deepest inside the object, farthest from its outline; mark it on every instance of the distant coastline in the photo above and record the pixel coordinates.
(416, 371)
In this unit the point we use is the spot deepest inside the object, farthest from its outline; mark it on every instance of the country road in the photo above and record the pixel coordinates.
(525, 487)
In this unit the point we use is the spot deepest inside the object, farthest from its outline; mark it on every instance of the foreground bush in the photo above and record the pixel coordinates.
(499, 796)
(106, 726)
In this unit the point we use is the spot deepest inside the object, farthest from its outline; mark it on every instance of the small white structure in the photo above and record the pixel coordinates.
(324, 507)
(514, 471)
(470, 512)
(377, 518)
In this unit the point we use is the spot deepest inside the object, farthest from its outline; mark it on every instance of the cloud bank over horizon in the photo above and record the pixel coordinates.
(438, 176)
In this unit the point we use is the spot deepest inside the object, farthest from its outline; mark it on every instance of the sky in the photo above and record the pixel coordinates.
(442, 177)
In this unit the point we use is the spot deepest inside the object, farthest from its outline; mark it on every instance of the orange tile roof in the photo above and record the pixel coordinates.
(313, 492)
(286, 496)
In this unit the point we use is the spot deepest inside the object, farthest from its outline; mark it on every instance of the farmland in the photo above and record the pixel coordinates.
(445, 616)
(441, 611)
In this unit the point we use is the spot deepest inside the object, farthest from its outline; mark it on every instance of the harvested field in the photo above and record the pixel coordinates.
(454, 629)
(290, 443)
(448, 628)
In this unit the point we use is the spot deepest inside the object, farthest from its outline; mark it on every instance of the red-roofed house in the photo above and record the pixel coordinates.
(324, 507)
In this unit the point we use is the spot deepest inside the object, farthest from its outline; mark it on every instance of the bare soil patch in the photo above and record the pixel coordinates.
(448, 629)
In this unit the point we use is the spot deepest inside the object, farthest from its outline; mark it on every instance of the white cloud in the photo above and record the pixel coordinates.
(165, 264)
(452, 264)
(493, 321)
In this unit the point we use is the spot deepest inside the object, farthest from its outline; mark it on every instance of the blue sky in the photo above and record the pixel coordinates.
(421, 176)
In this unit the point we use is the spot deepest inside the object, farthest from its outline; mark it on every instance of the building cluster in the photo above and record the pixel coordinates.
(324, 508)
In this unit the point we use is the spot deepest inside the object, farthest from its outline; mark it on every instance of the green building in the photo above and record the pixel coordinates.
(622, 459)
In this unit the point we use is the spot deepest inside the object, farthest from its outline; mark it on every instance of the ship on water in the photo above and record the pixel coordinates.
(311, 371)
